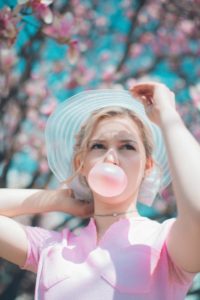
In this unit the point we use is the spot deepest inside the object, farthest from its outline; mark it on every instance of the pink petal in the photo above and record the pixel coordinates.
(47, 16)
(73, 52)
(46, 2)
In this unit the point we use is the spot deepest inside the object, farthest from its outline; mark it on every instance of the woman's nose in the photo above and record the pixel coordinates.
(111, 157)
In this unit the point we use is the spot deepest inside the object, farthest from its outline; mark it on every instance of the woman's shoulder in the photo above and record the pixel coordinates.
(150, 232)
(44, 237)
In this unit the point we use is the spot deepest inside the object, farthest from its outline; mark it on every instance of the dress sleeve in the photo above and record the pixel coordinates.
(38, 239)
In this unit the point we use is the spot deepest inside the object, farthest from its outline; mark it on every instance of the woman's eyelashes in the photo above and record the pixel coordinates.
(97, 146)
(129, 147)
(103, 147)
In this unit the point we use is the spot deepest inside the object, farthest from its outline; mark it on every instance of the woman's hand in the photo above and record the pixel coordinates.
(156, 97)
(75, 207)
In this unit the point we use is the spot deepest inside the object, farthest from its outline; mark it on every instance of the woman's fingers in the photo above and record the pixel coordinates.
(153, 93)
(86, 209)
(155, 97)
(143, 92)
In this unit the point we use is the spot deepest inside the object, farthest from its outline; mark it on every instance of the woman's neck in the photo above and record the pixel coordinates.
(106, 214)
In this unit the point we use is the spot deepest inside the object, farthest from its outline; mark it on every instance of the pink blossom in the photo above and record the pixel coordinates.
(72, 83)
(135, 50)
(41, 124)
(126, 4)
(62, 28)
(22, 140)
(142, 18)
(80, 76)
(48, 108)
(195, 94)
(44, 166)
(146, 38)
(73, 52)
(36, 88)
(36, 143)
(12, 117)
(8, 27)
(43, 12)
(129, 14)
(58, 66)
(153, 10)
(87, 76)
(84, 27)
(8, 59)
(105, 56)
(101, 21)
(32, 115)
(40, 7)
(131, 82)
(187, 26)
(8, 79)
(80, 9)
(109, 74)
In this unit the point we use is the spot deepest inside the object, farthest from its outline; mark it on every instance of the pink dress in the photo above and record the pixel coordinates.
(129, 262)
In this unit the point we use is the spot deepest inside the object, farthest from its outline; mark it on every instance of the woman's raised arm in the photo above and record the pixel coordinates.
(15, 202)
(184, 162)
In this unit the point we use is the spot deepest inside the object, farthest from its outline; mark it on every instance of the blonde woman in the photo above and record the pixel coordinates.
(119, 255)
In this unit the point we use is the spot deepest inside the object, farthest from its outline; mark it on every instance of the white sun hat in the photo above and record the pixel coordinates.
(65, 122)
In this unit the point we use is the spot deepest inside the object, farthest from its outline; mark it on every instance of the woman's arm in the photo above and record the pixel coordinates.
(184, 162)
(13, 241)
(15, 202)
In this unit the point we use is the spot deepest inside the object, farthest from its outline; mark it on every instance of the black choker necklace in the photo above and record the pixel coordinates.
(115, 214)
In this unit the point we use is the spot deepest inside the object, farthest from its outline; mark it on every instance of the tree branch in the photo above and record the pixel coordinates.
(129, 35)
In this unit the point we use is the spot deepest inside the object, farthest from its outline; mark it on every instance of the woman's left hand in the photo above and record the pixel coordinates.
(66, 202)
(156, 98)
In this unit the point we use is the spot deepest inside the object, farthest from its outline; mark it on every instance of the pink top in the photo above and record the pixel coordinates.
(129, 262)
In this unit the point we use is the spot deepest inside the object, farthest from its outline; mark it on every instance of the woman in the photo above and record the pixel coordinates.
(119, 254)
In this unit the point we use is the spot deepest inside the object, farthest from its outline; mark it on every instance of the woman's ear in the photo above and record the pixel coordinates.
(78, 164)
(149, 165)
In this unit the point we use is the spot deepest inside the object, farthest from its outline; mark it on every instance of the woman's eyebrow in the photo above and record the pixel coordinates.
(129, 141)
(121, 141)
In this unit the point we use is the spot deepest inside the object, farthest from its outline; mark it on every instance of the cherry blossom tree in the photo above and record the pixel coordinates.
(51, 49)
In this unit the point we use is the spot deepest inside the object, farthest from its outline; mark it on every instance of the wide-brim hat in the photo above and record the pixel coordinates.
(65, 122)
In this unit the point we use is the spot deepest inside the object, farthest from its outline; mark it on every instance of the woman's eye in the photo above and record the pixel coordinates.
(128, 147)
(97, 146)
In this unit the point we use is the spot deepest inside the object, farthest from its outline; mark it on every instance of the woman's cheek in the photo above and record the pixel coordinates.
(134, 171)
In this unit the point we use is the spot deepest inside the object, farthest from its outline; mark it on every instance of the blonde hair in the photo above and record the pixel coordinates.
(87, 129)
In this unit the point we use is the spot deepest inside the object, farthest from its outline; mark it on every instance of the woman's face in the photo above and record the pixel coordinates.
(117, 141)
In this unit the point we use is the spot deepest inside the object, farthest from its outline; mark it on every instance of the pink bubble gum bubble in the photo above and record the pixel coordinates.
(107, 179)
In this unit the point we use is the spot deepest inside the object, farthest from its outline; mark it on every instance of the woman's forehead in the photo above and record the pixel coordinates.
(120, 127)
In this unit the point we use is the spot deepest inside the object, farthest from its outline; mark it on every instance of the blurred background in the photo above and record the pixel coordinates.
(52, 49)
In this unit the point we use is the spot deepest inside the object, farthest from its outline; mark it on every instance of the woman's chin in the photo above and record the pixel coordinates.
(117, 199)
